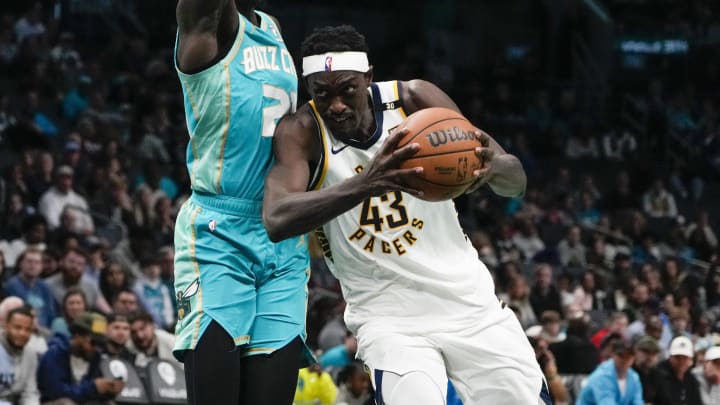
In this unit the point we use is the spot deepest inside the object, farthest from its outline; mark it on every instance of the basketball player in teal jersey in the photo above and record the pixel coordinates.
(241, 298)
(421, 304)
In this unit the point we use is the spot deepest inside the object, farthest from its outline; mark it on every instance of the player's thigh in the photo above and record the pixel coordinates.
(213, 369)
(492, 365)
(403, 355)
(413, 388)
(214, 279)
(282, 293)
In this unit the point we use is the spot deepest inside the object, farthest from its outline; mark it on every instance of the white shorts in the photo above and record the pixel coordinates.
(487, 365)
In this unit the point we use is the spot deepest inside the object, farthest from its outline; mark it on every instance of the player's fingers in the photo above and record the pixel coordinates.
(412, 172)
(484, 154)
(481, 173)
(482, 137)
(406, 151)
(394, 138)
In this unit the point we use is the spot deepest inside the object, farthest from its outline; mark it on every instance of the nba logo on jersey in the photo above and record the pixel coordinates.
(212, 225)
(328, 63)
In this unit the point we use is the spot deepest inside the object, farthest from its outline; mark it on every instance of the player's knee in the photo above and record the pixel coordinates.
(414, 388)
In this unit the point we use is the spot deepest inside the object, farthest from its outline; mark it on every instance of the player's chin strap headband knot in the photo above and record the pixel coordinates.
(334, 61)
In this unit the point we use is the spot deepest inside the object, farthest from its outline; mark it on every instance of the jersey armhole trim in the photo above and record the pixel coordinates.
(321, 170)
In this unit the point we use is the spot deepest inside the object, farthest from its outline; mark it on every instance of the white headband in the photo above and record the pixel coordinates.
(333, 61)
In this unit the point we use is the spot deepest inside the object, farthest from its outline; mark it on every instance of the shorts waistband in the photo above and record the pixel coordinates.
(228, 205)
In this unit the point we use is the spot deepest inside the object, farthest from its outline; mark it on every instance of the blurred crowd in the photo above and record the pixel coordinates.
(611, 255)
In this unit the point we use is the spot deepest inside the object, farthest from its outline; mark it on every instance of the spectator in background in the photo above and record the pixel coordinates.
(30, 24)
(34, 234)
(61, 195)
(571, 249)
(73, 305)
(588, 295)
(118, 337)
(576, 354)
(614, 381)
(528, 240)
(113, 279)
(336, 358)
(125, 303)
(622, 197)
(587, 214)
(72, 265)
(148, 342)
(19, 363)
(42, 179)
(155, 294)
(647, 355)
(658, 202)
(701, 236)
(37, 343)
(546, 360)
(672, 378)
(354, 386)
(166, 256)
(707, 374)
(617, 323)
(544, 295)
(70, 370)
(28, 286)
(315, 386)
(518, 296)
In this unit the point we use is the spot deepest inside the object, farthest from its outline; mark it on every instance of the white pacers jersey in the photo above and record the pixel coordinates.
(399, 259)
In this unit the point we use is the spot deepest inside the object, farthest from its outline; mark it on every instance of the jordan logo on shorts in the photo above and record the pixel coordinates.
(183, 298)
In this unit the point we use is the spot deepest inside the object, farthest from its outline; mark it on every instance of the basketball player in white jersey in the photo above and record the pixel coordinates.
(418, 299)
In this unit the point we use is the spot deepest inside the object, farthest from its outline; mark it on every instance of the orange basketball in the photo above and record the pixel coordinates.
(447, 152)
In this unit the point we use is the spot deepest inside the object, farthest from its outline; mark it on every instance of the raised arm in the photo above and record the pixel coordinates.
(205, 32)
(503, 173)
(289, 210)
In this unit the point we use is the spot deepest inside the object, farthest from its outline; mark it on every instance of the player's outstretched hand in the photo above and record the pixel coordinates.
(485, 154)
(383, 173)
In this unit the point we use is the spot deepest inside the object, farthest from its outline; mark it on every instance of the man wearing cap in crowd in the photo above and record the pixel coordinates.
(647, 355)
(708, 375)
(614, 379)
(62, 194)
(674, 383)
(70, 370)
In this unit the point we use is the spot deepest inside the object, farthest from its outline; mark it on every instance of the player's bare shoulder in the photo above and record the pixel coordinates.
(299, 130)
(419, 94)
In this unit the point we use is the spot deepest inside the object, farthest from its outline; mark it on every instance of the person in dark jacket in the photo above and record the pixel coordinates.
(674, 383)
(576, 354)
(647, 353)
(61, 373)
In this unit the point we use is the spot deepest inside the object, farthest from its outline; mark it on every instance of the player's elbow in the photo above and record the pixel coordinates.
(274, 226)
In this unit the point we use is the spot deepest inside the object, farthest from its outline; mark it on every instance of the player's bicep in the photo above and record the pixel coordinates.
(292, 148)
(421, 94)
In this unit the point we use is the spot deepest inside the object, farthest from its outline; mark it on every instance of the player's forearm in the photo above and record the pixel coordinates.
(299, 213)
(508, 179)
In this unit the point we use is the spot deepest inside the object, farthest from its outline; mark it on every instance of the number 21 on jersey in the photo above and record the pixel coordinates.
(282, 103)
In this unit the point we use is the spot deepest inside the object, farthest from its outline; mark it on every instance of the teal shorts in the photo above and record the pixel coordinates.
(227, 270)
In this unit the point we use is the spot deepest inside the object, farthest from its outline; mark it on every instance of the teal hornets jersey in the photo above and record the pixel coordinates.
(232, 109)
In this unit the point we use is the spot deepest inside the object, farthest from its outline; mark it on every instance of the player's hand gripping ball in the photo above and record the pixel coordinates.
(447, 152)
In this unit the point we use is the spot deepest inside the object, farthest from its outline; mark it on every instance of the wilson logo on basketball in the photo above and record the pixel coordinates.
(444, 136)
